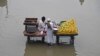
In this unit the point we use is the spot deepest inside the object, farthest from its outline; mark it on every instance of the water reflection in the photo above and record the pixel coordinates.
(81, 2)
(42, 49)
(4, 3)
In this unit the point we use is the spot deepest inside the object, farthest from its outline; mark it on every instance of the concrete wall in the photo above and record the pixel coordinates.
(87, 17)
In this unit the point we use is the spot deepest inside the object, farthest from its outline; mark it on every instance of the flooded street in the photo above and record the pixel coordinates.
(86, 14)
(12, 40)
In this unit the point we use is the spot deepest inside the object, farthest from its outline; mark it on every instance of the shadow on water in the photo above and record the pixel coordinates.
(3, 3)
(81, 2)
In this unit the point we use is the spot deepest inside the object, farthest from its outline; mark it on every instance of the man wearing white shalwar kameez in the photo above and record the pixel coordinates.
(47, 26)
(49, 37)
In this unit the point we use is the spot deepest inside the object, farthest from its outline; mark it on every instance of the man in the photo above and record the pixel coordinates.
(42, 24)
(49, 37)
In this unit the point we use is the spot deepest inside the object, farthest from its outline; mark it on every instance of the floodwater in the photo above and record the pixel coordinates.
(12, 41)
(87, 15)
(41, 49)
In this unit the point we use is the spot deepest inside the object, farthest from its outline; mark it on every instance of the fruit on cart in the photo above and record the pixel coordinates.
(68, 27)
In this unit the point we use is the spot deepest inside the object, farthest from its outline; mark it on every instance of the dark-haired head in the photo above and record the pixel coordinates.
(43, 19)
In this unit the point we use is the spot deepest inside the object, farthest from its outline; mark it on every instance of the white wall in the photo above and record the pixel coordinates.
(87, 17)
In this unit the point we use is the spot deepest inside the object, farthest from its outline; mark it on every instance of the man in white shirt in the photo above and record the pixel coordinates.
(42, 24)
(49, 37)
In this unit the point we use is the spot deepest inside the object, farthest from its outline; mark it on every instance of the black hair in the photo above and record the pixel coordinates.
(43, 18)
